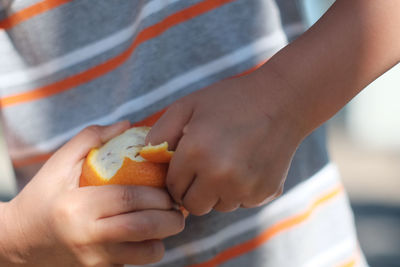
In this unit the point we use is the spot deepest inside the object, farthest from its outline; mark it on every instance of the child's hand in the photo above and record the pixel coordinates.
(234, 143)
(52, 222)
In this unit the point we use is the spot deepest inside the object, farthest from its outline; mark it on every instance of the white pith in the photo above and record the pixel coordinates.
(109, 158)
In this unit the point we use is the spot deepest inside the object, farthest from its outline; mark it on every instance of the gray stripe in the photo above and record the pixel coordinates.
(310, 157)
(152, 9)
(329, 225)
(63, 74)
(65, 28)
(53, 34)
(203, 38)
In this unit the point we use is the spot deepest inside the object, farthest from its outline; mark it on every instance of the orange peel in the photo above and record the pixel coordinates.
(125, 160)
(120, 161)
(158, 153)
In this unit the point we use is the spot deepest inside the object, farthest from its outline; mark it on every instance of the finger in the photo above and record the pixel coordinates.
(181, 173)
(138, 253)
(109, 200)
(226, 206)
(90, 137)
(171, 124)
(139, 226)
(200, 198)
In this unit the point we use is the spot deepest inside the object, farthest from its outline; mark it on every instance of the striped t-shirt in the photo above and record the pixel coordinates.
(68, 64)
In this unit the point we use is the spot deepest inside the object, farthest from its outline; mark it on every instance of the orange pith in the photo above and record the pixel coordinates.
(158, 153)
(150, 170)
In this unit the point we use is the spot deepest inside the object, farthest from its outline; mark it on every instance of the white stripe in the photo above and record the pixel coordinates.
(26, 76)
(271, 42)
(334, 254)
(17, 6)
(294, 29)
(306, 191)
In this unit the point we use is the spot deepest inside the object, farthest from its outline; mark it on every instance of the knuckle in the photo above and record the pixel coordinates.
(129, 197)
(225, 170)
(253, 195)
(263, 196)
(244, 188)
(196, 150)
(198, 211)
(65, 211)
(226, 207)
(245, 193)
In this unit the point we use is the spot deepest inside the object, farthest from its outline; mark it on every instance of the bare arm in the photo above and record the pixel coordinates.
(351, 45)
(235, 139)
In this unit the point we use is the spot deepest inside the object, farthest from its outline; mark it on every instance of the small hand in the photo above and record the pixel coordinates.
(233, 146)
(52, 222)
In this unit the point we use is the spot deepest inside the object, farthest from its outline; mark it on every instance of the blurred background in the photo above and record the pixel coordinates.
(364, 141)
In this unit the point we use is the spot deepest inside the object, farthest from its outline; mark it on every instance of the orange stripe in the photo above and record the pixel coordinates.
(250, 70)
(351, 263)
(149, 121)
(353, 260)
(30, 12)
(104, 68)
(32, 160)
(269, 233)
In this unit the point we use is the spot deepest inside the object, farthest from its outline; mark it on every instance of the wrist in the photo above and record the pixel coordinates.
(281, 102)
(10, 240)
(4, 235)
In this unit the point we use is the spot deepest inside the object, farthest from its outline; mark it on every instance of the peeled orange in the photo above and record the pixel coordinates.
(125, 160)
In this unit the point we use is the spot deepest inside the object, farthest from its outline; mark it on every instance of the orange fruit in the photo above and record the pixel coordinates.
(125, 160)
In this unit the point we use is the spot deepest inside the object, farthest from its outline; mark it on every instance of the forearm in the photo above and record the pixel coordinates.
(353, 44)
(3, 235)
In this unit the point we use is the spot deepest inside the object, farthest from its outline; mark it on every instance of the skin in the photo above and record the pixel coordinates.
(235, 140)
(53, 222)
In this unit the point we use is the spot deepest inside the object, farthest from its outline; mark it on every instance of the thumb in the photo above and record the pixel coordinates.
(170, 126)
